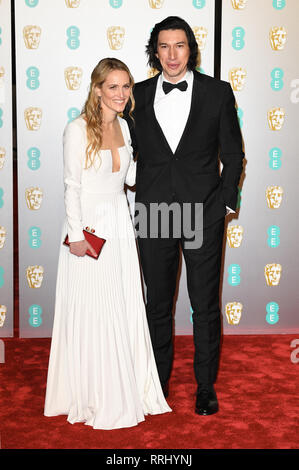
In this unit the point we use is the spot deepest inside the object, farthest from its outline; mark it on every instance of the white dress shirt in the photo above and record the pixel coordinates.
(174, 104)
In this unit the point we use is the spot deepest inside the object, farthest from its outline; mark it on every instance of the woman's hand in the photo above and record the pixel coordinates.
(80, 248)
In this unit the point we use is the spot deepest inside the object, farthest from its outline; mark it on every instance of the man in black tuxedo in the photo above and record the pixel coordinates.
(179, 134)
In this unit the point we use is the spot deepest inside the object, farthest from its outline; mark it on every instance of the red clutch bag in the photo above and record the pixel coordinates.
(96, 242)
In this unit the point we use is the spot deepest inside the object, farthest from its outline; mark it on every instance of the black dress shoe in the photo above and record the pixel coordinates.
(165, 389)
(206, 400)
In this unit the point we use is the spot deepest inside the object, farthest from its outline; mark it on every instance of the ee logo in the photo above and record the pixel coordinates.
(239, 200)
(277, 82)
(200, 69)
(272, 316)
(234, 274)
(34, 237)
(31, 3)
(0, 35)
(275, 158)
(1, 197)
(116, 3)
(1, 276)
(199, 3)
(238, 34)
(191, 316)
(35, 312)
(240, 114)
(1, 120)
(279, 4)
(32, 78)
(73, 41)
(33, 158)
(73, 113)
(273, 233)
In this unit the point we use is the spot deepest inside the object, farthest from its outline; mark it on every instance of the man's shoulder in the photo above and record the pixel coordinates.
(146, 83)
(211, 82)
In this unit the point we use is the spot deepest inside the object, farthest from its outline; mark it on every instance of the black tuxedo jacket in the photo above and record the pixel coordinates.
(192, 173)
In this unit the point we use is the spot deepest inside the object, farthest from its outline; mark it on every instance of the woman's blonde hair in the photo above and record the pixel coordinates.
(92, 108)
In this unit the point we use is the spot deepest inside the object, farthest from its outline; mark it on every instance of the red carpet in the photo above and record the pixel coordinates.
(257, 389)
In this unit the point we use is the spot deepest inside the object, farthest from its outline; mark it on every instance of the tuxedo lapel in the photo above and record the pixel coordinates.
(151, 116)
(198, 97)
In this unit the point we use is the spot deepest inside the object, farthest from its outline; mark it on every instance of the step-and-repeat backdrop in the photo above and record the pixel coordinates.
(6, 181)
(260, 278)
(58, 44)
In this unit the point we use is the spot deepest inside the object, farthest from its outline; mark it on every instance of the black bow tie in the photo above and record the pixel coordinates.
(167, 87)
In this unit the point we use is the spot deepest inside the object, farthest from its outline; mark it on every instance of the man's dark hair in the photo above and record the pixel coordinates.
(172, 22)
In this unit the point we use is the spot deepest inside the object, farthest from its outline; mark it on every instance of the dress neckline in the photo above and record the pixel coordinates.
(118, 148)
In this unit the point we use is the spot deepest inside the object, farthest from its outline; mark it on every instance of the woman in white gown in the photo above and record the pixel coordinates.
(102, 369)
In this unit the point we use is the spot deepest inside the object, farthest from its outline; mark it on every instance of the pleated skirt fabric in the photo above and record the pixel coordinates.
(101, 369)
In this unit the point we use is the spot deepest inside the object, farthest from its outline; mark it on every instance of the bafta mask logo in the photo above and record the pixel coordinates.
(272, 274)
(34, 197)
(239, 4)
(2, 87)
(2, 236)
(152, 72)
(72, 3)
(2, 73)
(2, 315)
(234, 235)
(31, 35)
(233, 311)
(200, 33)
(33, 118)
(2, 157)
(237, 77)
(156, 4)
(278, 37)
(35, 275)
(276, 118)
(116, 37)
(274, 196)
(73, 77)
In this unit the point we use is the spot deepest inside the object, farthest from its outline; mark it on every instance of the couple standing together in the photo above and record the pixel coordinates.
(111, 356)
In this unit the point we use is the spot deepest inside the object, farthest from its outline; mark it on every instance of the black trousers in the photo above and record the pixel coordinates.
(160, 260)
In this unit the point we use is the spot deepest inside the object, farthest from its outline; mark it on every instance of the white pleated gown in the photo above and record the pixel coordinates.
(101, 368)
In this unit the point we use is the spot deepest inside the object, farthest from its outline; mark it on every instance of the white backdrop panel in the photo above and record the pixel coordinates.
(50, 37)
(259, 50)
